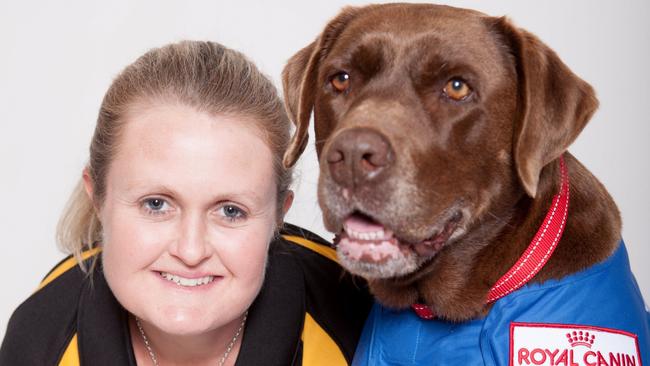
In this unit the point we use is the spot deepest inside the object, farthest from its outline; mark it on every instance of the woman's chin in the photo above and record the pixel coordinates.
(185, 322)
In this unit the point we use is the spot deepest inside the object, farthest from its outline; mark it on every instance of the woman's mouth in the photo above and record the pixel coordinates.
(187, 282)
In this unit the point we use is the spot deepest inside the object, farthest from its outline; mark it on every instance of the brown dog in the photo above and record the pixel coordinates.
(438, 132)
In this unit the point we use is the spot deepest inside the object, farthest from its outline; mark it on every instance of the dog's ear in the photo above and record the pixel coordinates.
(298, 85)
(299, 81)
(554, 104)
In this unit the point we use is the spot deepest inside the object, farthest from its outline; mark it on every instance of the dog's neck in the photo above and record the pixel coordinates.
(456, 283)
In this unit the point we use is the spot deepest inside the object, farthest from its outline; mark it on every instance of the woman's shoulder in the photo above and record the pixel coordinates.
(307, 243)
(336, 302)
(68, 269)
(47, 317)
(316, 257)
(59, 289)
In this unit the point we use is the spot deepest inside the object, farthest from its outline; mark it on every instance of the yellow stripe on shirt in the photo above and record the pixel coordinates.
(318, 349)
(71, 355)
(318, 248)
(66, 265)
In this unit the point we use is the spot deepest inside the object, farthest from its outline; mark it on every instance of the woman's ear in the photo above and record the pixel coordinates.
(288, 201)
(88, 186)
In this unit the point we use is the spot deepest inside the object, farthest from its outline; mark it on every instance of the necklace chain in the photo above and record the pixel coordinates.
(147, 344)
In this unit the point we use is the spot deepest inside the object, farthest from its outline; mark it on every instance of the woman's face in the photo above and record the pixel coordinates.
(189, 211)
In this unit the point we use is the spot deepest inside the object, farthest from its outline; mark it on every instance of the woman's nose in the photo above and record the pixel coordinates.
(191, 246)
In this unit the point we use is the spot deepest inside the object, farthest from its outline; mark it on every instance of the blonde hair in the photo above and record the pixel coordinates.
(203, 75)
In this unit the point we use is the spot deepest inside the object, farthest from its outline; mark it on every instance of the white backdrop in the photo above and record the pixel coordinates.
(57, 58)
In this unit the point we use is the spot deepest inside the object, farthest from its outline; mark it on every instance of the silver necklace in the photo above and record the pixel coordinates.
(221, 361)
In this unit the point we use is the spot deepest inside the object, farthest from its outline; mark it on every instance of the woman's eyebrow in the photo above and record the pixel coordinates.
(246, 195)
(143, 186)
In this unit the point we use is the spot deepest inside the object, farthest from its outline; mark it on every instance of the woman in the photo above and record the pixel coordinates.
(176, 230)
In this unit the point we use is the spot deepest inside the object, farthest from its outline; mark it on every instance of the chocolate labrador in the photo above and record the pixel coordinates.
(442, 135)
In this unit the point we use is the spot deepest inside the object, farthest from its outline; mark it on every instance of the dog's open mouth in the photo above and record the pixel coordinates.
(364, 239)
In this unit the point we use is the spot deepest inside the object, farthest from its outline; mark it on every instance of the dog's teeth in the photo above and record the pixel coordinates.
(369, 235)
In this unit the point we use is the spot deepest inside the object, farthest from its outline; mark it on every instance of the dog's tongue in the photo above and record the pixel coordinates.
(360, 224)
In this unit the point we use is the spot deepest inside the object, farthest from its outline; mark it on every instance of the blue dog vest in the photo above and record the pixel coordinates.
(595, 317)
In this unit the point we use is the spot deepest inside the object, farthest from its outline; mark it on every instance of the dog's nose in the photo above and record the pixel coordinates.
(359, 156)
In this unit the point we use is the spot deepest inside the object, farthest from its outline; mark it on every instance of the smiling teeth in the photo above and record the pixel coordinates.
(188, 282)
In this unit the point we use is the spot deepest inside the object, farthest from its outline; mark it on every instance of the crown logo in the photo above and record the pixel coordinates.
(580, 338)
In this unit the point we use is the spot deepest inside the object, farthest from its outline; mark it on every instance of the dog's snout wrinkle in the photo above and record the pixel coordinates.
(358, 157)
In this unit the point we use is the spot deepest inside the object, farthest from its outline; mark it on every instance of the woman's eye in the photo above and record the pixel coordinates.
(457, 89)
(233, 212)
(341, 82)
(156, 206)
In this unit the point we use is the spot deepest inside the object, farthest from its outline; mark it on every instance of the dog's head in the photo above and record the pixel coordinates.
(431, 122)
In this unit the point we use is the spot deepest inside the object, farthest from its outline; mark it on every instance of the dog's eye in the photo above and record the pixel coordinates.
(457, 89)
(341, 81)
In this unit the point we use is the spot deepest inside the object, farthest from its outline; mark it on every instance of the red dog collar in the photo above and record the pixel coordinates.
(536, 255)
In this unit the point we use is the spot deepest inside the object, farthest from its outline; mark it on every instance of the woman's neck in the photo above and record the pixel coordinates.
(174, 350)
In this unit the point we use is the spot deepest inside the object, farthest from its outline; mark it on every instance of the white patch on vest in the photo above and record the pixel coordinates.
(571, 345)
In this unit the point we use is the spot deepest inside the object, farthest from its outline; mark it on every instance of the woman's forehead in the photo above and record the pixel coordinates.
(160, 127)
(182, 148)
